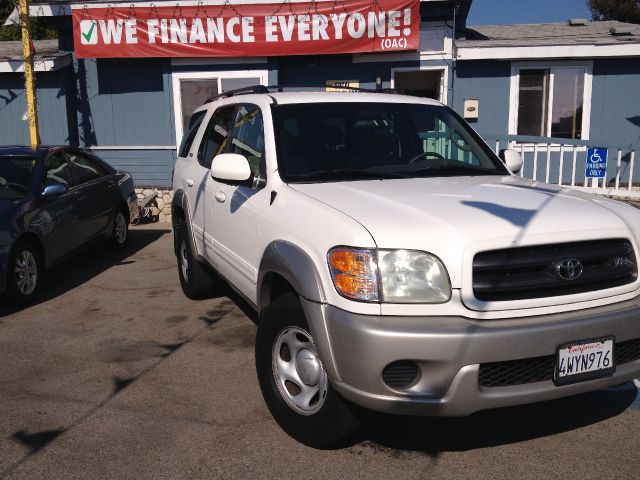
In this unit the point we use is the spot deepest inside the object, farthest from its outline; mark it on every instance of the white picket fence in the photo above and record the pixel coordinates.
(563, 163)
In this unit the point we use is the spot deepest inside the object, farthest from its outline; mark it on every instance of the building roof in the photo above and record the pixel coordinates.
(47, 58)
(549, 34)
(45, 49)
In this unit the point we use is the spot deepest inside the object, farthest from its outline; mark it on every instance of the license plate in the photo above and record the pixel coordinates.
(584, 360)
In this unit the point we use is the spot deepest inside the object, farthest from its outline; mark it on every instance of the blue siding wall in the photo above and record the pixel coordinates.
(125, 102)
(52, 108)
(615, 107)
(316, 70)
(489, 82)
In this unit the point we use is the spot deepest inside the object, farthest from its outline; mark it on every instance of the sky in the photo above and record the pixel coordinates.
(499, 12)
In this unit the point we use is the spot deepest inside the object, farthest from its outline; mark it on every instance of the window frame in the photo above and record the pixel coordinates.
(262, 169)
(50, 154)
(205, 133)
(553, 67)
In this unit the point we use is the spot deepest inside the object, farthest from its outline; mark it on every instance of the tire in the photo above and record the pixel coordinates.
(120, 232)
(196, 280)
(320, 419)
(24, 274)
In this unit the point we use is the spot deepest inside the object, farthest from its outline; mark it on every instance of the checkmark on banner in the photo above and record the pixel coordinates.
(88, 34)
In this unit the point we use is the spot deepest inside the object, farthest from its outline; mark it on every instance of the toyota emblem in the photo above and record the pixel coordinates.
(569, 269)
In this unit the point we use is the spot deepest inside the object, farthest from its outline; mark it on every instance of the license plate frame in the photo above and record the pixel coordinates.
(589, 375)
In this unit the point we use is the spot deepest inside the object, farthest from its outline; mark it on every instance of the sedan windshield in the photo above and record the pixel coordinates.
(16, 176)
(325, 142)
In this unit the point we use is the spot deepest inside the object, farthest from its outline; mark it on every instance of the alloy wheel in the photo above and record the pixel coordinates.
(120, 228)
(26, 272)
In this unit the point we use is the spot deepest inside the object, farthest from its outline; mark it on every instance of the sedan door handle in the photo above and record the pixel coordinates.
(220, 197)
(189, 182)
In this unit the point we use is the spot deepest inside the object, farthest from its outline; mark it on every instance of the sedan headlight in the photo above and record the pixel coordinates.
(390, 276)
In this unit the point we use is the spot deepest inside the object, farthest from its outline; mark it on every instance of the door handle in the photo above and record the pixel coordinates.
(220, 197)
(189, 182)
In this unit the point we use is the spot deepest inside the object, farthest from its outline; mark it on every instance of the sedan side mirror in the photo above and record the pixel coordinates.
(231, 168)
(512, 159)
(54, 189)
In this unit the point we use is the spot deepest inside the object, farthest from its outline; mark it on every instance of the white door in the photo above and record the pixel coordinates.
(238, 209)
(214, 141)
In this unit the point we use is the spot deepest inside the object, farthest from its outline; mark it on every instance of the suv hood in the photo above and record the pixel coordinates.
(456, 217)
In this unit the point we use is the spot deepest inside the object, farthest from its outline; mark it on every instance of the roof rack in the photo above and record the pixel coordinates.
(280, 88)
(239, 91)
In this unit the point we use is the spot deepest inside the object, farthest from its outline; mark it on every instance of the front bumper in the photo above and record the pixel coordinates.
(449, 351)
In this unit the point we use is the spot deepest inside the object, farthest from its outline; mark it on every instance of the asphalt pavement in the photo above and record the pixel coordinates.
(114, 374)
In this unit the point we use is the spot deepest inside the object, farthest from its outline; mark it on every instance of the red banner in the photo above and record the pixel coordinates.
(257, 30)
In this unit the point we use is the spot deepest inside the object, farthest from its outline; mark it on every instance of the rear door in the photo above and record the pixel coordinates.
(97, 194)
(190, 175)
(59, 216)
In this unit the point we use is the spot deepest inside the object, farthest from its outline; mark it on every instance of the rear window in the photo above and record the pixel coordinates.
(190, 134)
(16, 177)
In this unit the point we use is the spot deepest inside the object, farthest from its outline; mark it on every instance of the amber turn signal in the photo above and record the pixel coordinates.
(354, 273)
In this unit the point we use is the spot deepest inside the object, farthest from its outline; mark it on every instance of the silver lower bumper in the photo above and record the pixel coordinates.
(449, 350)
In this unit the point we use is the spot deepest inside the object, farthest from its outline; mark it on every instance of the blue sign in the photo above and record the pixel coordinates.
(596, 162)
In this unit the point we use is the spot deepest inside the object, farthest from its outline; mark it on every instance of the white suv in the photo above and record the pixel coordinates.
(396, 262)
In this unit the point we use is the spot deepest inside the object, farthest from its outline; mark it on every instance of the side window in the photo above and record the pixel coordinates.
(248, 136)
(216, 136)
(84, 167)
(190, 134)
(57, 170)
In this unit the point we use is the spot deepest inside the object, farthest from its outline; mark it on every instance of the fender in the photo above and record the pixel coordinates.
(180, 200)
(295, 266)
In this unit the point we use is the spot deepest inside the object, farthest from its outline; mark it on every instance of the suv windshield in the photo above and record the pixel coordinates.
(323, 142)
(16, 175)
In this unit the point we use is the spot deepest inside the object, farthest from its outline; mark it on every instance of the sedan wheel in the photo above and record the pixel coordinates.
(26, 272)
(120, 228)
(120, 232)
(23, 273)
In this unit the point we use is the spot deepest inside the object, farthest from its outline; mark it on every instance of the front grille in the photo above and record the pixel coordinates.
(540, 369)
(533, 272)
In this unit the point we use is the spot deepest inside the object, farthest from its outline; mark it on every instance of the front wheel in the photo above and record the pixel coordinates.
(23, 274)
(293, 381)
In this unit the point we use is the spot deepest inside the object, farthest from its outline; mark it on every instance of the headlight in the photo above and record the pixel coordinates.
(410, 276)
(390, 276)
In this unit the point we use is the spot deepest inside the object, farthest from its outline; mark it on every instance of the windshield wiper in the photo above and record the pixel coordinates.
(442, 170)
(346, 174)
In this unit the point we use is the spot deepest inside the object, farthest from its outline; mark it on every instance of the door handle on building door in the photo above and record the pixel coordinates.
(220, 197)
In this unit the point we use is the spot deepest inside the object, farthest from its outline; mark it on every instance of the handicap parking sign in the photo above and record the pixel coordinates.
(596, 162)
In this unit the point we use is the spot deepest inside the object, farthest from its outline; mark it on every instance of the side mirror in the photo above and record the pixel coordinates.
(512, 159)
(54, 189)
(231, 167)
